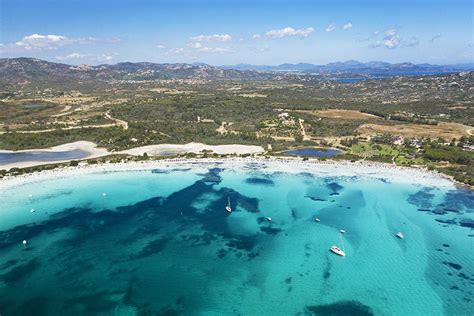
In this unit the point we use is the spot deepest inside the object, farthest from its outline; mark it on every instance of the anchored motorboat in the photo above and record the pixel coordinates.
(317, 219)
(400, 235)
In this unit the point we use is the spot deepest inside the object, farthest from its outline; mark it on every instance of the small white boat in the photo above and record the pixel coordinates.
(104, 194)
(400, 235)
(317, 219)
(228, 208)
(338, 251)
(24, 243)
(269, 219)
(32, 210)
(342, 231)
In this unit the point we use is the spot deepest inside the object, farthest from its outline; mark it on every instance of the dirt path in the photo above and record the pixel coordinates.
(303, 132)
(118, 122)
(63, 112)
(61, 129)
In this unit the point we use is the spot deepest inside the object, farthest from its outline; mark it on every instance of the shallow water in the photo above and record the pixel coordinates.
(160, 241)
(14, 157)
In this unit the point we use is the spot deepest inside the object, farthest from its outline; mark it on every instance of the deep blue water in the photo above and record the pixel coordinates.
(312, 152)
(160, 242)
(350, 80)
(13, 157)
(378, 76)
(34, 106)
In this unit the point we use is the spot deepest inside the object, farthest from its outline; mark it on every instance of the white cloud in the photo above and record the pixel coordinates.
(42, 41)
(51, 41)
(434, 38)
(214, 50)
(176, 51)
(391, 40)
(194, 48)
(391, 32)
(201, 48)
(161, 46)
(212, 38)
(331, 27)
(256, 36)
(347, 26)
(88, 57)
(72, 56)
(106, 57)
(289, 31)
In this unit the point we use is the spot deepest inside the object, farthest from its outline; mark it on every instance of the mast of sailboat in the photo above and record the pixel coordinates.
(228, 201)
(342, 242)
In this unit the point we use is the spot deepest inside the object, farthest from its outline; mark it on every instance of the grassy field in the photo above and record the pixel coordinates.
(443, 130)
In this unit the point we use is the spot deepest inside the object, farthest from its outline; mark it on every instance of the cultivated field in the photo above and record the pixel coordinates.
(443, 130)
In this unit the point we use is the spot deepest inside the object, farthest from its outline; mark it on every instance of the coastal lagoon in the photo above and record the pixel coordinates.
(157, 240)
(314, 152)
(11, 157)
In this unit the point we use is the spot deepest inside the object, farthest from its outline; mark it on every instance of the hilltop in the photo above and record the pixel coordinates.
(30, 71)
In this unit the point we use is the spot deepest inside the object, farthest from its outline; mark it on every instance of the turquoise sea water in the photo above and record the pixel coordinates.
(161, 242)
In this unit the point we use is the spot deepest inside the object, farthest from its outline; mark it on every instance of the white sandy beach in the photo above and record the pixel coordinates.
(331, 168)
(161, 149)
(152, 150)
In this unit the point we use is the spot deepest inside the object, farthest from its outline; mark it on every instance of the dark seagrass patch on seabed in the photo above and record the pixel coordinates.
(453, 265)
(353, 308)
(20, 271)
(259, 181)
(422, 198)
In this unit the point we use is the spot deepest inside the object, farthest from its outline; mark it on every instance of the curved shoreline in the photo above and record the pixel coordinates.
(332, 168)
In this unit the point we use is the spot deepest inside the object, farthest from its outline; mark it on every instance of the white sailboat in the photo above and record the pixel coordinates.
(338, 251)
(228, 208)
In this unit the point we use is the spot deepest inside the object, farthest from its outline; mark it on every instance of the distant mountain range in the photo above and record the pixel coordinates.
(31, 72)
(373, 68)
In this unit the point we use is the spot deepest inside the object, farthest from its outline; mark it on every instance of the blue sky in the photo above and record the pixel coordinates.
(240, 31)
